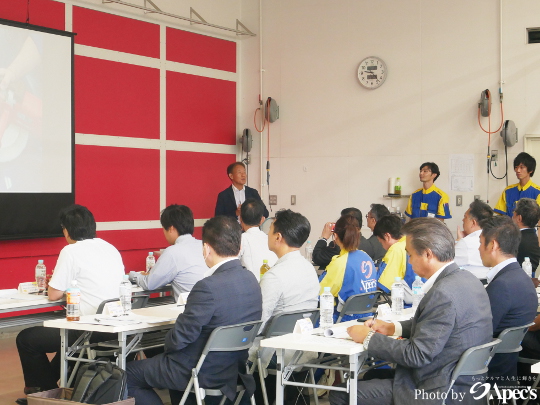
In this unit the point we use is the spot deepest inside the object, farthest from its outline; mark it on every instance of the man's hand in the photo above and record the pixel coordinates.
(358, 332)
(460, 233)
(535, 282)
(327, 230)
(386, 328)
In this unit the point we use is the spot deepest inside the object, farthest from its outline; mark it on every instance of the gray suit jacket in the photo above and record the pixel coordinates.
(453, 316)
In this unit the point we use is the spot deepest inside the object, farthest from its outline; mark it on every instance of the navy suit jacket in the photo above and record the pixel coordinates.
(513, 303)
(226, 204)
(229, 296)
(528, 247)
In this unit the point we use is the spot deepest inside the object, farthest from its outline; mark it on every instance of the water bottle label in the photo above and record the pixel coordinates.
(73, 298)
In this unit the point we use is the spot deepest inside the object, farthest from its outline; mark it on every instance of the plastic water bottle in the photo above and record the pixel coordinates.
(309, 251)
(73, 302)
(417, 291)
(125, 294)
(527, 266)
(398, 294)
(400, 215)
(150, 261)
(326, 304)
(264, 268)
(41, 275)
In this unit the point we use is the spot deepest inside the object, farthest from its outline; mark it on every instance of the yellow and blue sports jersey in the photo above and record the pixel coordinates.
(395, 263)
(432, 202)
(513, 193)
(349, 273)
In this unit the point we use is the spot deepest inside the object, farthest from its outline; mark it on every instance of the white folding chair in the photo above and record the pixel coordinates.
(222, 339)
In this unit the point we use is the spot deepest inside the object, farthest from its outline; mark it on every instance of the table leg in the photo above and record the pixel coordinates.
(122, 355)
(279, 375)
(63, 361)
(353, 370)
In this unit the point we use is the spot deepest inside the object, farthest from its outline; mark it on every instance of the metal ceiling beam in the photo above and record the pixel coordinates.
(201, 21)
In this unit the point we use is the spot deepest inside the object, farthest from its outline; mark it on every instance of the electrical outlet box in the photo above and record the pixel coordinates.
(273, 199)
(459, 200)
(477, 197)
(293, 200)
(494, 155)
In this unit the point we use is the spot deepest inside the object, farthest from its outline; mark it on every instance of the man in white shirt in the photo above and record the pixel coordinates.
(254, 241)
(98, 269)
(468, 242)
(182, 263)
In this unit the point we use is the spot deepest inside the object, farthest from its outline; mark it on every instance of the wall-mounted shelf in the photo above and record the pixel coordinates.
(396, 196)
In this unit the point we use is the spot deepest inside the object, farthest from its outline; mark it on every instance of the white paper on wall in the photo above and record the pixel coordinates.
(462, 172)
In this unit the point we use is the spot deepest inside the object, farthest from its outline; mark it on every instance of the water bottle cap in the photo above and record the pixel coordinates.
(397, 279)
(40, 261)
(265, 261)
(150, 253)
(397, 178)
(326, 289)
(126, 276)
(527, 259)
(417, 277)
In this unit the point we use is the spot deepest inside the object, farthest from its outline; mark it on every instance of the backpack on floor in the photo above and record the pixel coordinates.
(100, 382)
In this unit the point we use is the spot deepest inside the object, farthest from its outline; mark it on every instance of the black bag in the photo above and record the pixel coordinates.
(100, 382)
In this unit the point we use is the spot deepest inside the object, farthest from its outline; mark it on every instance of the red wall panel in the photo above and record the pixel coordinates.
(113, 98)
(200, 50)
(118, 184)
(200, 109)
(108, 31)
(46, 13)
(195, 179)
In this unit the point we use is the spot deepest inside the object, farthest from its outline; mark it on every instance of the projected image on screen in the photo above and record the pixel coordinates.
(35, 111)
(36, 129)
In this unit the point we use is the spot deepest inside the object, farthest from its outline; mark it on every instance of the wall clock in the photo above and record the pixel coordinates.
(372, 72)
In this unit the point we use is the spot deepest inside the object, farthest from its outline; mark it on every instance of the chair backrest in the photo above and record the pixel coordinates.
(232, 338)
(284, 323)
(475, 360)
(359, 304)
(511, 339)
(137, 301)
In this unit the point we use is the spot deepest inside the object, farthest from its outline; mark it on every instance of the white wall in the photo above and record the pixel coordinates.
(336, 143)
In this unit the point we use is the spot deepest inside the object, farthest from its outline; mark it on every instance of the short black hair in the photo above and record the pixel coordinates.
(252, 211)
(294, 227)
(231, 167)
(502, 229)
(355, 212)
(526, 160)
(433, 167)
(378, 211)
(224, 234)
(388, 224)
(78, 222)
(479, 210)
(179, 217)
(529, 211)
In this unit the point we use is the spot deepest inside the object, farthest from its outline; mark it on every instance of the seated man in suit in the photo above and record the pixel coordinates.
(323, 252)
(230, 200)
(395, 262)
(181, 264)
(254, 241)
(228, 295)
(526, 215)
(511, 293)
(376, 212)
(453, 316)
(467, 254)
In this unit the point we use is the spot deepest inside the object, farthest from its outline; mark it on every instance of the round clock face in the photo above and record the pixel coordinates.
(372, 72)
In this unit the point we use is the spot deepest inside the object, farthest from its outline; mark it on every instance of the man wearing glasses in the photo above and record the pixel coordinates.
(429, 201)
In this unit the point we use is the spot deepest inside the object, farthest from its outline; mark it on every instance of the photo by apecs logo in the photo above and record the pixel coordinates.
(480, 390)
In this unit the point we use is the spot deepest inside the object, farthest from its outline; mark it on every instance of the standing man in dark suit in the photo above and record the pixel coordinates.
(511, 292)
(526, 215)
(228, 295)
(453, 316)
(231, 199)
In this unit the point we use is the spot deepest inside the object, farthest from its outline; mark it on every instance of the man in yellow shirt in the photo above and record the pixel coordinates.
(395, 262)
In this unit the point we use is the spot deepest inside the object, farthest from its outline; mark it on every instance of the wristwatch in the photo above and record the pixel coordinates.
(322, 238)
(368, 338)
